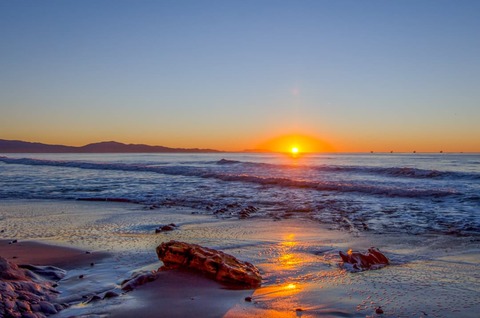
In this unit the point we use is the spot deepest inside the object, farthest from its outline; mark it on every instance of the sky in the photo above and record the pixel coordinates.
(353, 75)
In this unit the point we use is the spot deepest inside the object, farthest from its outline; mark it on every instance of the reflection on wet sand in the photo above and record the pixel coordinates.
(298, 260)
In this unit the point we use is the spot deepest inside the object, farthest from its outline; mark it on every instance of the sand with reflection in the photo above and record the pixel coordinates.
(298, 259)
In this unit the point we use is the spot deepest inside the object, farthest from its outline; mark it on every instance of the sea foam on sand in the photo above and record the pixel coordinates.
(434, 275)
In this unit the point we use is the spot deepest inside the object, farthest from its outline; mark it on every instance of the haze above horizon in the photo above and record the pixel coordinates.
(346, 76)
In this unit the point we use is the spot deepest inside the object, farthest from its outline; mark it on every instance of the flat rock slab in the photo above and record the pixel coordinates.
(215, 264)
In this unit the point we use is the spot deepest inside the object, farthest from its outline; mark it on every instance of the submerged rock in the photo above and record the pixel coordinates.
(222, 267)
(166, 228)
(138, 279)
(48, 272)
(24, 293)
(110, 294)
(358, 261)
(245, 213)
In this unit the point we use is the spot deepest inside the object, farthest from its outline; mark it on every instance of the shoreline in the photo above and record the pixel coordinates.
(298, 260)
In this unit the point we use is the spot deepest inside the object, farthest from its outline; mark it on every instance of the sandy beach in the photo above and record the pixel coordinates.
(298, 260)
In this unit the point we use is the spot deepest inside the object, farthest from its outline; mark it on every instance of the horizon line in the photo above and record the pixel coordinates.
(210, 150)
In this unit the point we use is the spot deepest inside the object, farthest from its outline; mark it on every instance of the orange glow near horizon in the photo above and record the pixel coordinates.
(296, 143)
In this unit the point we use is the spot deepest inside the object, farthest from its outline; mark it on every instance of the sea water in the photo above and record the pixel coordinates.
(421, 210)
(381, 193)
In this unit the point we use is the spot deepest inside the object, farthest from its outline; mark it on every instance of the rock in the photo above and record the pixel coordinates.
(220, 211)
(218, 265)
(49, 272)
(166, 228)
(138, 279)
(10, 271)
(110, 294)
(47, 308)
(379, 311)
(245, 213)
(22, 305)
(9, 304)
(358, 261)
(94, 299)
(23, 293)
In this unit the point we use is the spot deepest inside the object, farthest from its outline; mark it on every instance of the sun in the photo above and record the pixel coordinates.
(295, 144)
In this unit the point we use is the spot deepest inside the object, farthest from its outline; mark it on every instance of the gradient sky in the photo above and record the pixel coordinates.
(359, 75)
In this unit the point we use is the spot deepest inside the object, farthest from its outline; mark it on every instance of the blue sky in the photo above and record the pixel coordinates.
(361, 75)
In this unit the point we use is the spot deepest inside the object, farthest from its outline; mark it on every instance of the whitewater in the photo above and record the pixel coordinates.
(378, 193)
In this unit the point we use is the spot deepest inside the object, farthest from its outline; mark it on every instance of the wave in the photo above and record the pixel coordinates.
(401, 172)
(190, 171)
(227, 162)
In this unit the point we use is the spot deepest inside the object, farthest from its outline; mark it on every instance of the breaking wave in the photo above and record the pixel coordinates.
(401, 172)
(228, 176)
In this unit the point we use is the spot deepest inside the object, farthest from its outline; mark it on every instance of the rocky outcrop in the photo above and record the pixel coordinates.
(215, 264)
(24, 294)
(357, 261)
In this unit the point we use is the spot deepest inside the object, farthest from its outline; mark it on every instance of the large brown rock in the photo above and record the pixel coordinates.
(222, 267)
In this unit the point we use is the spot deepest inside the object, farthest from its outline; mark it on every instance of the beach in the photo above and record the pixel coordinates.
(432, 275)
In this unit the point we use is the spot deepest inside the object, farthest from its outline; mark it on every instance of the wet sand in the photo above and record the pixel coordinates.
(35, 253)
(432, 275)
(181, 294)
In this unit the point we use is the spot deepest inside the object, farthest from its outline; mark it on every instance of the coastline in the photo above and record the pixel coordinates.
(298, 260)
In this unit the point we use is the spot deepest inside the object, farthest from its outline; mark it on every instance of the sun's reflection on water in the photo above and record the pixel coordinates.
(288, 259)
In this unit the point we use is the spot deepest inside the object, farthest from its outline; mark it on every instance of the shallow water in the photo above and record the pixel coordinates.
(382, 193)
(431, 274)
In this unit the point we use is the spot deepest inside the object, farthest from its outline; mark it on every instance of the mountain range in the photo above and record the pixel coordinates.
(17, 146)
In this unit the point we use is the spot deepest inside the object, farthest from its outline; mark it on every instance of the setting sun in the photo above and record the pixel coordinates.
(295, 144)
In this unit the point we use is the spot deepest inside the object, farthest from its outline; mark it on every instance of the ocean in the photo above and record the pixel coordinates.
(289, 216)
(379, 193)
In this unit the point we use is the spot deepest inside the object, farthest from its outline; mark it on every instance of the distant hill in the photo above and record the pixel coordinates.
(17, 146)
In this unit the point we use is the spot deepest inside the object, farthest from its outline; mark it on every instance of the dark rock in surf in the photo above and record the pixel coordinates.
(110, 294)
(166, 228)
(215, 264)
(357, 261)
(246, 212)
(94, 299)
